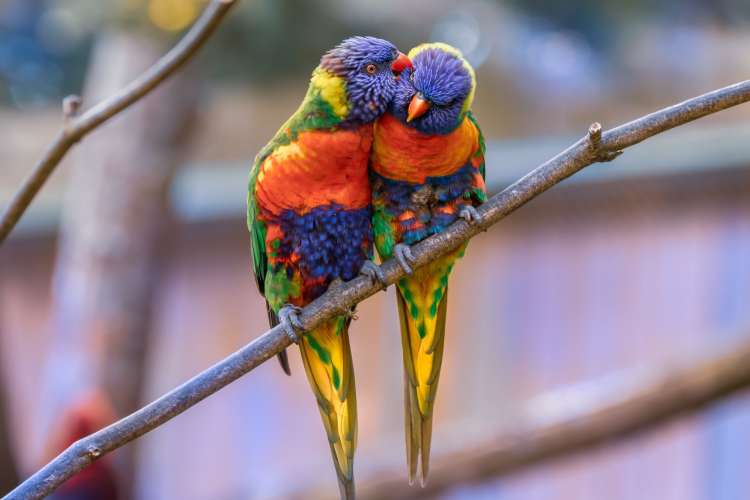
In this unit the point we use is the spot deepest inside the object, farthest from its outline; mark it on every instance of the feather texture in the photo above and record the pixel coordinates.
(309, 215)
(328, 364)
(422, 304)
(423, 174)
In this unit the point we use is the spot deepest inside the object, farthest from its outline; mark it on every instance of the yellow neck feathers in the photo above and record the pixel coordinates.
(332, 89)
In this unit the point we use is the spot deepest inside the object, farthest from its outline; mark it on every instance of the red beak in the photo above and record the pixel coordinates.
(401, 63)
(417, 107)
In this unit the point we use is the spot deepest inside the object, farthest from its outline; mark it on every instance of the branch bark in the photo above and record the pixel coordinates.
(76, 128)
(621, 408)
(595, 146)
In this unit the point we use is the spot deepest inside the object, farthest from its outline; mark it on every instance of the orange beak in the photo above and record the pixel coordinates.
(401, 63)
(417, 107)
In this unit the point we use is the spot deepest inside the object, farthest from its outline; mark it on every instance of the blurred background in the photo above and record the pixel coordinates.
(131, 272)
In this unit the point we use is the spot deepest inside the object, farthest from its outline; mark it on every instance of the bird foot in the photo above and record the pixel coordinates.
(289, 319)
(403, 255)
(374, 272)
(469, 214)
(352, 314)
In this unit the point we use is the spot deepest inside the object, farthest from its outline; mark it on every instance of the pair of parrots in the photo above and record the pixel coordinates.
(383, 149)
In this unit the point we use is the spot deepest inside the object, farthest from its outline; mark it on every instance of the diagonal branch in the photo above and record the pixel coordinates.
(595, 146)
(77, 127)
(612, 409)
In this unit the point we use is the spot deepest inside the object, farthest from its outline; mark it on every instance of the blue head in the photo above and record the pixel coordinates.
(434, 95)
(367, 66)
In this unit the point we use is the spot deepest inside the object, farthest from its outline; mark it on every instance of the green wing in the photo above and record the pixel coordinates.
(482, 146)
(479, 194)
(257, 232)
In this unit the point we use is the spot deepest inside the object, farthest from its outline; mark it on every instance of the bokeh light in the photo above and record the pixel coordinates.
(172, 15)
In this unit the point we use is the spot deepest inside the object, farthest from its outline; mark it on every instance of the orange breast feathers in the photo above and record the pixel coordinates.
(403, 153)
(319, 168)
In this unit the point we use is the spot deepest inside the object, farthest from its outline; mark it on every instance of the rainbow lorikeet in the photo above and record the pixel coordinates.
(427, 170)
(309, 215)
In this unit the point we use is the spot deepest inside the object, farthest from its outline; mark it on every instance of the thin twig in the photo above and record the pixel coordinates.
(614, 409)
(340, 300)
(75, 128)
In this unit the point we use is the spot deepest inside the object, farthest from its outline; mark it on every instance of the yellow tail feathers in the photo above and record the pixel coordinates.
(422, 303)
(328, 363)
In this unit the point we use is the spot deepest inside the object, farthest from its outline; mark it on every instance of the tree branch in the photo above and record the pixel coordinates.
(75, 128)
(595, 146)
(607, 411)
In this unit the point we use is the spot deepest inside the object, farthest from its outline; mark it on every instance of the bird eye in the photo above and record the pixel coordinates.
(371, 69)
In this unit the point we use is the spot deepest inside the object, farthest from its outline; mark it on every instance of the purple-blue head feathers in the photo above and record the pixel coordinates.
(435, 95)
(367, 66)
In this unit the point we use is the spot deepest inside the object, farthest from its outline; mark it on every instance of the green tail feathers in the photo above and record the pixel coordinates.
(327, 358)
(422, 304)
(283, 358)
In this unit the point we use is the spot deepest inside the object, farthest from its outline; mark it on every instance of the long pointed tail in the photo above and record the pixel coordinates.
(328, 363)
(422, 303)
(283, 358)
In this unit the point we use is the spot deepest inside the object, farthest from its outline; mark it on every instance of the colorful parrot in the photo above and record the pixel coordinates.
(427, 170)
(309, 215)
